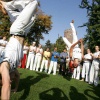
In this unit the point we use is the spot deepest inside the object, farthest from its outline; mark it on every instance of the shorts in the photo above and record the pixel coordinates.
(12, 53)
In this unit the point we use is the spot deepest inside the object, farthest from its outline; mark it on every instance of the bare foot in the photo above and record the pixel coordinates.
(2, 8)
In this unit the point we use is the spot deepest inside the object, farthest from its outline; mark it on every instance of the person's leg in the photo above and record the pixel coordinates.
(75, 39)
(96, 78)
(46, 65)
(74, 73)
(38, 63)
(83, 71)
(54, 68)
(28, 61)
(87, 71)
(32, 60)
(4, 70)
(35, 62)
(50, 68)
(42, 65)
(67, 42)
(20, 24)
(64, 68)
(78, 72)
(60, 68)
(91, 75)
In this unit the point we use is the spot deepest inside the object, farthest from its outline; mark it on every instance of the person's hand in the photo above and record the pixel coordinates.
(54, 56)
(81, 40)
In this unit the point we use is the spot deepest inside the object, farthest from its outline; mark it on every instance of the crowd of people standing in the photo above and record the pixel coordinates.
(37, 59)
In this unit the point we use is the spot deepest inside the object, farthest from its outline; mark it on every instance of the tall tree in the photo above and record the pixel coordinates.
(42, 25)
(60, 44)
(93, 25)
(48, 44)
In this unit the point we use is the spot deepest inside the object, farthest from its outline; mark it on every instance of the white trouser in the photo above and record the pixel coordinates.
(53, 65)
(76, 73)
(24, 21)
(86, 70)
(30, 61)
(75, 39)
(94, 73)
(37, 62)
(14, 5)
(44, 63)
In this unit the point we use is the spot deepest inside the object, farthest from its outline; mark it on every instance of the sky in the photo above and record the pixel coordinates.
(63, 12)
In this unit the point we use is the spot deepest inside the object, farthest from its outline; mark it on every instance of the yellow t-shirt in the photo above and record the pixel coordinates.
(46, 55)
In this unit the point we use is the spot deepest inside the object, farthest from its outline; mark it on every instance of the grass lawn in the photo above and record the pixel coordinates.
(41, 86)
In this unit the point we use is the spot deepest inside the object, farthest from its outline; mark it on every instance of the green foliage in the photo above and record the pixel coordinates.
(48, 44)
(93, 25)
(60, 44)
(4, 25)
(42, 25)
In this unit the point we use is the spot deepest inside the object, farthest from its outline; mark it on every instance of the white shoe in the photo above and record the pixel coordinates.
(54, 74)
(40, 70)
(48, 73)
(37, 70)
(33, 69)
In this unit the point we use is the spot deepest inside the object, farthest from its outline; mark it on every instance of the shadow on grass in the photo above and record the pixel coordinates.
(68, 77)
(94, 90)
(75, 95)
(27, 82)
(53, 94)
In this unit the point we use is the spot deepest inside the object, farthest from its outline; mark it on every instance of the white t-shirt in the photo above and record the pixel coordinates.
(87, 56)
(25, 49)
(39, 51)
(96, 54)
(32, 49)
(77, 53)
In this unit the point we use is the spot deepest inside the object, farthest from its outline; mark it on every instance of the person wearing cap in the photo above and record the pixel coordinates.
(38, 58)
(76, 55)
(22, 15)
(31, 56)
